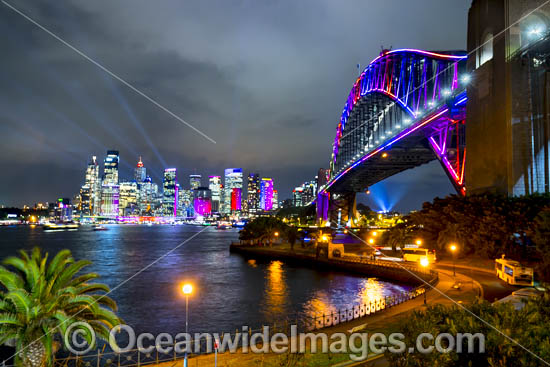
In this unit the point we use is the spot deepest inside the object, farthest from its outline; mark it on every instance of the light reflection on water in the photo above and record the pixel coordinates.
(230, 291)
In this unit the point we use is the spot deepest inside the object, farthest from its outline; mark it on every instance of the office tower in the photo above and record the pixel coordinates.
(109, 200)
(253, 193)
(266, 194)
(297, 195)
(185, 203)
(215, 186)
(202, 204)
(275, 200)
(236, 197)
(233, 180)
(89, 201)
(140, 173)
(147, 194)
(110, 168)
(195, 181)
(128, 198)
(309, 192)
(169, 193)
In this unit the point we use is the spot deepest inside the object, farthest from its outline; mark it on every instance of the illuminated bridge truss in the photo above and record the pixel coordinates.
(406, 108)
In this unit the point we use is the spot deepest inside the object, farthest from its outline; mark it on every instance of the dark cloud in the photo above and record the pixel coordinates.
(266, 79)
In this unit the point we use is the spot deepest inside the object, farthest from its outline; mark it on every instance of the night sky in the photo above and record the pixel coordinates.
(265, 79)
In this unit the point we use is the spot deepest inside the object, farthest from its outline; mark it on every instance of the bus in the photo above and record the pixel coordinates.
(416, 254)
(512, 272)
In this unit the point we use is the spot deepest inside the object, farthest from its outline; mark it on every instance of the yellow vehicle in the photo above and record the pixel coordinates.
(512, 272)
(416, 254)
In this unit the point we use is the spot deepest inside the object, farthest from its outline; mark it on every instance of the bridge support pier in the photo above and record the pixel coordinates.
(338, 209)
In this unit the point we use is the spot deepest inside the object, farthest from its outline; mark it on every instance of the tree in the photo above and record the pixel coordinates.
(291, 234)
(527, 327)
(41, 299)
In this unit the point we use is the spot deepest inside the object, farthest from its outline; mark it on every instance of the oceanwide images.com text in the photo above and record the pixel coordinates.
(80, 339)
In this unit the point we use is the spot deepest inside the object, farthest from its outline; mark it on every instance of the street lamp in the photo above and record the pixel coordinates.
(187, 289)
(424, 263)
(419, 242)
(453, 250)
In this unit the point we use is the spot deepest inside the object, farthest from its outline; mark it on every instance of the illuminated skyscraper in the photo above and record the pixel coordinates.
(109, 200)
(128, 198)
(275, 200)
(266, 194)
(253, 193)
(297, 196)
(233, 180)
(140, 173)
(90, 192)
(215, 186)
(170, 193)
(202, 203)
(195, 181)
(236, 199)
(110, 169)
(147, 194)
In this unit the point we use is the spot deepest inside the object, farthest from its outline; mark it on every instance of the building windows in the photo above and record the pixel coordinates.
(485, 51)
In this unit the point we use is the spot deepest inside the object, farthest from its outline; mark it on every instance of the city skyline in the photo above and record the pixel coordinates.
(283, 125)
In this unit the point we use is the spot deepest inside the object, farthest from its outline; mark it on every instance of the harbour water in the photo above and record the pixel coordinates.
(230, 292)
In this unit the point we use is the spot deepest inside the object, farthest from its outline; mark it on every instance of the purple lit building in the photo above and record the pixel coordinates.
(266, 194)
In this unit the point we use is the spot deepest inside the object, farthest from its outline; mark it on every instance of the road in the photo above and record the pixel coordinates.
(493, 287)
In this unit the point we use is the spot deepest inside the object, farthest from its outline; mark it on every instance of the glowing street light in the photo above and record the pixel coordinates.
(374, 233)
(384, 155)
(276, 234)
(324, 238)
(419, 242)
(424, 263)
(371, 240)
(453, 248)
(187, 289)
(466, 78)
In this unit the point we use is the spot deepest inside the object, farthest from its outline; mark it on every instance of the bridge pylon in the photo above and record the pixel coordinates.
(337, 209)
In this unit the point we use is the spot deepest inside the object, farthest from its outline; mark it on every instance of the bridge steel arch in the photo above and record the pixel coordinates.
(405, 109)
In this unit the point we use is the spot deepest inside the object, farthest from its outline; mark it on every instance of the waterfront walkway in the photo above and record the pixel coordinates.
(386, 321)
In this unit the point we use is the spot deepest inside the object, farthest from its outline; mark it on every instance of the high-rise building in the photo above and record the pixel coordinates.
(233, 180)
(253, 193)
(140, 173)
(148, 191)
(236, 199)
(215, 186)
(275, 200)
(110, 168)
(195, 181)
(128, 198)
(170, 193)
(266, 194)
(202, 203)
(297, 195)
(90, 192)
(185, 203)
(109, 200)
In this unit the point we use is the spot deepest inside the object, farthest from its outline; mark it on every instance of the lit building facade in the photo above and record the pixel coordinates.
(148, 191)
(109, 200)
(236, 199)
(110, 168)
(169, 193)
(185, 203)
(275, 200)
(140, 173)
(266, 194)
(128, 198)
(233, 180)
(215, 186)
(202, 201)
(195, 181)
(253, 193)
(90, 192)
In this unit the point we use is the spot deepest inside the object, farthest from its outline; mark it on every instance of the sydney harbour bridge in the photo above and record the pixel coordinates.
(407, 108)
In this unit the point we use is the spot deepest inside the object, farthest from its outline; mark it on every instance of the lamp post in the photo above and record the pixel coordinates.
(187, 290)
(424, 263)
(453, 250)
(419, 242)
